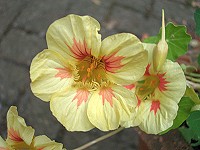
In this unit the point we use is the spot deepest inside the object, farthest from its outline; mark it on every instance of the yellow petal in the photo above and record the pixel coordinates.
(157, 114)
(70, 109)
(149, 47)
(44, 143)
(50, 73)
(18, 131)
(110, 106)
(134, 119)
(4, 145)
(77, 31)
(175, 87)
(125, 58)
(171, 74)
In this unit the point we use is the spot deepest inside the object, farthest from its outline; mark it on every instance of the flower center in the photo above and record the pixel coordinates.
(146, 87)
(91, 70)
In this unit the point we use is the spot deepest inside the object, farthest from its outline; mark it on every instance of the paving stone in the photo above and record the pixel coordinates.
(105, 32)
(38, 115)
(134, 22)
(9, 9)
(21, 46)
(183, 1)
(139, 5)
(3, 120)
(88, 7)
(13, 82)
(126, 139)
(38, 15)
(174, 11)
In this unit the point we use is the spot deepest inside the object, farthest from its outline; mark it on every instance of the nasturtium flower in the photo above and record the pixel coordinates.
(82, 76)
(20, 136)
(158, 94)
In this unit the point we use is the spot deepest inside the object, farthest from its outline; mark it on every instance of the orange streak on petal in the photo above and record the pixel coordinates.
(139, 101)
(14, 135)
(147, 70)
(112, 62)
(107, 94)
(63, 73)
(81, 95)
(162, 84)
(79, 50)
(130, 86)
(155, 105)
(1, 148)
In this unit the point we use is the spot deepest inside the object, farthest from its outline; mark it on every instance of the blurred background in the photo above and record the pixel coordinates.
(23, 25)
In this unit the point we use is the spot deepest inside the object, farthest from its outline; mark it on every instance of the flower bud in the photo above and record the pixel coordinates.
(161, 49)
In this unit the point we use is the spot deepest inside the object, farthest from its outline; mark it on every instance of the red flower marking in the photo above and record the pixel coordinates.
(63, 73)
(14, 135)
(81, 95)
(130, 86)
(139, 101)
(79, 50)
(162, 84)
(112, 62)
(2, 148)
(147, 70)
(107, 94)
(155, 105)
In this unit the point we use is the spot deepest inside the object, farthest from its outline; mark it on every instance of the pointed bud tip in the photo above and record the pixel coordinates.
(161, 49)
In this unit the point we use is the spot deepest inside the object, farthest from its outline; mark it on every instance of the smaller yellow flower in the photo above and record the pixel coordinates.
(158, 91)
(20, 136)
(158, 95)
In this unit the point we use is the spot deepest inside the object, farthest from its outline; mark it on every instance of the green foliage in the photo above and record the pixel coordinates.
(176, 38)
(193, 132)
(192, 95)
(185, 106)
(197, 20)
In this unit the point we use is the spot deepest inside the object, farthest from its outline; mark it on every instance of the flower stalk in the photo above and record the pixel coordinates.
(99, 139)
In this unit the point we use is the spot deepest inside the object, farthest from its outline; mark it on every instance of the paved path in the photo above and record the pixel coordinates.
(23, 24)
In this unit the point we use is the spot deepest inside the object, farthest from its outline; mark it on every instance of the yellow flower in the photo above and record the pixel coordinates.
(20, 136)
(158, 94)
(81, 75)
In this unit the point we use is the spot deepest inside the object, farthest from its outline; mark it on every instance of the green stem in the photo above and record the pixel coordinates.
(196, 86)
(193, 79)
(196, 75)
(99, 139)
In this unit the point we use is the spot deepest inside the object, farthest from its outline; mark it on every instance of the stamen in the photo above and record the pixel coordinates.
(146, 88)
(91, 71)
